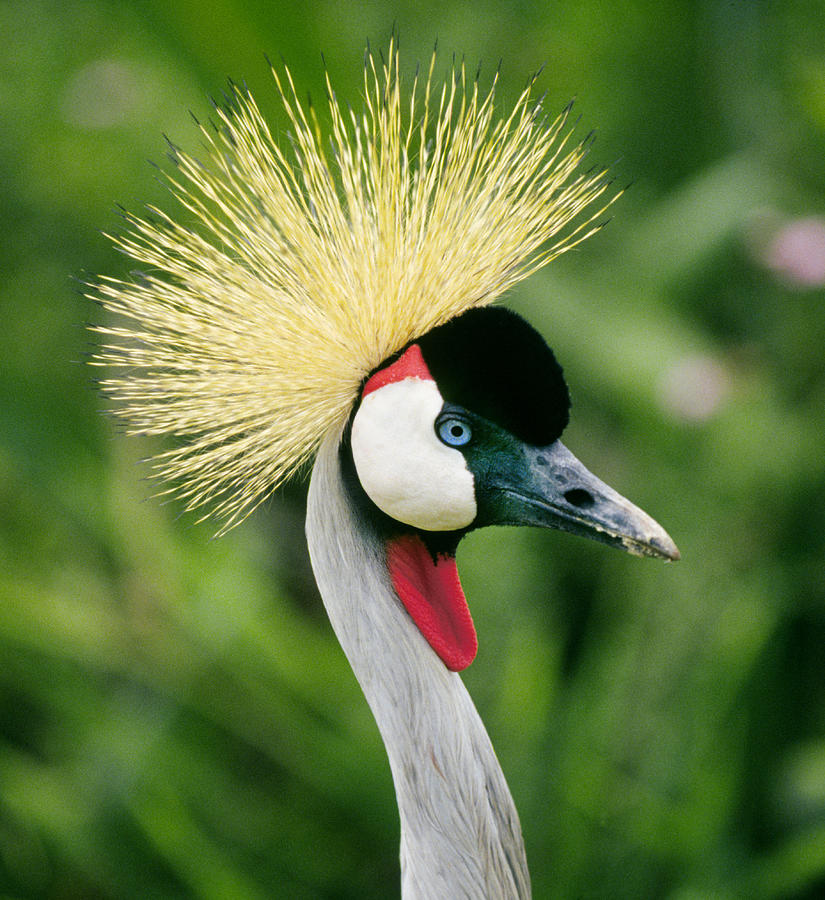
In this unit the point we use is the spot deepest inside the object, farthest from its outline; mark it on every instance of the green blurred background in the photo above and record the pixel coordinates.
(176, 718)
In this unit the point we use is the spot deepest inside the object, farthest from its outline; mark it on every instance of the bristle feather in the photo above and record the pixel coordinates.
(249, 334)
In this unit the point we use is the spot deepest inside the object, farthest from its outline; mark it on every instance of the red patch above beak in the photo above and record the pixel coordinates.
(409, 365)
(433, 596)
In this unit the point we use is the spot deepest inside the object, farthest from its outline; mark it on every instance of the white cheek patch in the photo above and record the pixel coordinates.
(402, 465)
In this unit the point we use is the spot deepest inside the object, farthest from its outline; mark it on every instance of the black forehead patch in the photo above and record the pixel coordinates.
(492, 362)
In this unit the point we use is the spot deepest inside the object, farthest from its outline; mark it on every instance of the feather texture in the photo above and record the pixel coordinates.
(299, 271)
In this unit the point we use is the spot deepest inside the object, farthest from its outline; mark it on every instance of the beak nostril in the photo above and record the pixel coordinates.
(579, 497)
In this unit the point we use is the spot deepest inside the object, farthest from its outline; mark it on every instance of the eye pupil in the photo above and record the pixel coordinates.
(453, 432)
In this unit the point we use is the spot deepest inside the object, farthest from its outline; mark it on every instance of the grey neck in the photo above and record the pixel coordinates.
(460, 833)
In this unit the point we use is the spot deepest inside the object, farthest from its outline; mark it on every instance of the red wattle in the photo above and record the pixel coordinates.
(409, 365)
(432, 595)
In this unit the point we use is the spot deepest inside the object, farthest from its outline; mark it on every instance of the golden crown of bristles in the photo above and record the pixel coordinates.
(251, 332)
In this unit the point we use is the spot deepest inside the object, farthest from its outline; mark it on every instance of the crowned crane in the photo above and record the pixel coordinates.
(340, 311)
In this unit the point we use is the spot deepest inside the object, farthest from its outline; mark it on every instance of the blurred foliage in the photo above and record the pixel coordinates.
(176, 718)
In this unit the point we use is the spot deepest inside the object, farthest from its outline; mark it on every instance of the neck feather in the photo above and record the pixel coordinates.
(460, 834)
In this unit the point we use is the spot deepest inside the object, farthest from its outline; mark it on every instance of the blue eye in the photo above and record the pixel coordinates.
(453, 432)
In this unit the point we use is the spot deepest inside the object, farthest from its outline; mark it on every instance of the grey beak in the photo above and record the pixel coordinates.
(552, 489)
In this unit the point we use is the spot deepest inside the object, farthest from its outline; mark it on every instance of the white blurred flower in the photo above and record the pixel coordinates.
(694, 388)
(105, 93)
(796, 252)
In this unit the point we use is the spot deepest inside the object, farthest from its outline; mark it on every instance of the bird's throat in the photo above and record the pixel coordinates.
(432, 594)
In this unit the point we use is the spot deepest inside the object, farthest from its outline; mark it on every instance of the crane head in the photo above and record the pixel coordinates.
(255, 334)
(459, 430)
